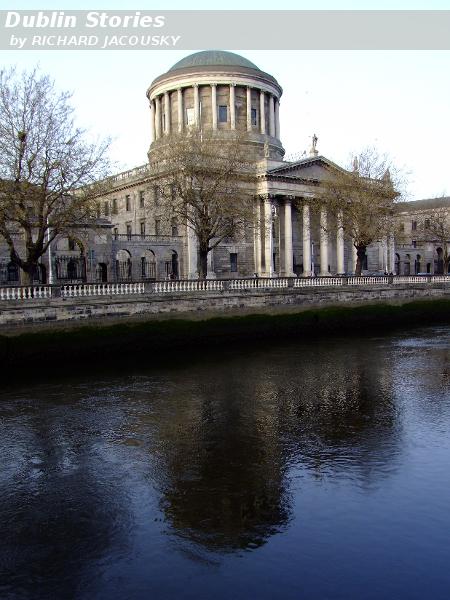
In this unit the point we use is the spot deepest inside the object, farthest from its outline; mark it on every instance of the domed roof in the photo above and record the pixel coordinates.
(212, 58)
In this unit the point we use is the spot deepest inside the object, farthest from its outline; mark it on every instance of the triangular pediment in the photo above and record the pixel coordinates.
(315, 167)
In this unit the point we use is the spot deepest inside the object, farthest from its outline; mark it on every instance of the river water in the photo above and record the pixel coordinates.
(315, 470)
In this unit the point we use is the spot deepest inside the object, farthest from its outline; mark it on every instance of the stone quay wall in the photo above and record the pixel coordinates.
(22, 314)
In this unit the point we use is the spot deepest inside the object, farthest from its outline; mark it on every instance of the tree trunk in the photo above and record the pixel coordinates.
(360, 254)
(203, 258)
(27, 274)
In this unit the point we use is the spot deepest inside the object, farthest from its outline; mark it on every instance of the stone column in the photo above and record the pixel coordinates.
(192, 254)
(384, 247)
(158, 117)
(340, 245)
(196, 106)
(323, 242)
(262, 111)
(214, 105)
(258, 225)
(268, 239)
(211, 273)
(180, 110)
(232, 106)
(288, 254)
(277, 118)
(152, 123)
(167, 112)
(306, 241)
(249, 108)
(391, 254)
(272, 116)
(354, 258)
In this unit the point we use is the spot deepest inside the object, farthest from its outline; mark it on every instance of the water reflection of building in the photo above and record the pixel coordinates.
(227, 437)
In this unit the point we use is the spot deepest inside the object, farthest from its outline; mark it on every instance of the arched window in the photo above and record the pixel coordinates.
(123, 265)
(397, 264)
(148, 265)
(407, 265)
(171, 265)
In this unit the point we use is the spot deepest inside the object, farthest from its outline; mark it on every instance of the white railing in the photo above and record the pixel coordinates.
(25, 293)
(81, 290)
(317, 281)
(367, 280)
(187, 285)
(410, 279)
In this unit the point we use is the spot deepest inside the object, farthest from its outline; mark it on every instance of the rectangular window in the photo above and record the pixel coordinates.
(427, 223)
(71, 244)
(106, 209)
(233, 262)
(174, 227)
(414, 244)
(254, 117)
(141, 199)
(414, 225)
(127, 203)
(223, 114)
(142, 228)
(116, 233)
(156, 195)
(157, 226)
(128, 231)
(114, 206)
(190, 116)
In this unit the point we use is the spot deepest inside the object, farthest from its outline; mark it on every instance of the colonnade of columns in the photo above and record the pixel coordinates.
(160, 111)
(264, 244)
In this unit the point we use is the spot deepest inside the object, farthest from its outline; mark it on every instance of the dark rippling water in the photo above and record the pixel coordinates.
(307, 471)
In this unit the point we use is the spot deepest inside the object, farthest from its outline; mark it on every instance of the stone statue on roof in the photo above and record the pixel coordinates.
(314, 151)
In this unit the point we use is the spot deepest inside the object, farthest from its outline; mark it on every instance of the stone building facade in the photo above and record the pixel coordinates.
(419, 248)
(224, 92)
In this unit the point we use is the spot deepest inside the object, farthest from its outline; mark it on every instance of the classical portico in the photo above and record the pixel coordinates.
(305, 240)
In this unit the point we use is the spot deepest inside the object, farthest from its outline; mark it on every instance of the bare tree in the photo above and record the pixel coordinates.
(361, 199)
(48, 168)
(200, 176)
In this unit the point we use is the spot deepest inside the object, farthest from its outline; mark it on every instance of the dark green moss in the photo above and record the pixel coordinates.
(96, 344)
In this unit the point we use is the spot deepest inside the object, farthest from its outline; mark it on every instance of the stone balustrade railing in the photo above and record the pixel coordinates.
(81, 290)
(26, 292)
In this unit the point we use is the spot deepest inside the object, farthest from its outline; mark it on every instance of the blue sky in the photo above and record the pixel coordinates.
(396, 100)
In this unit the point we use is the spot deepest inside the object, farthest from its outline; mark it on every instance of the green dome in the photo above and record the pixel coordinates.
(213, 58)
